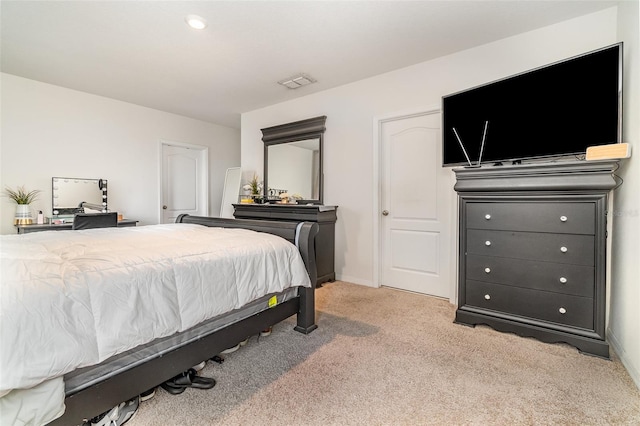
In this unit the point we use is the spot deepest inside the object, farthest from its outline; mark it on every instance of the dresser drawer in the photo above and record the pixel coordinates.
(564, 309)
(558, 248)
(560, 217)
(555, 277)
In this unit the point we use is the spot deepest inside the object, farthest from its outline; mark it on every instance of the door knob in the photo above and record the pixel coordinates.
(385, 212)
(164, 207)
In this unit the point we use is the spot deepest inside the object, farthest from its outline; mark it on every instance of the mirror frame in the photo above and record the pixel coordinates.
(69, 210)
(311, 128)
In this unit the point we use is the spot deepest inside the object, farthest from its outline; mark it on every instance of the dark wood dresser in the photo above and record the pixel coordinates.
(532, 257)
(325, 216)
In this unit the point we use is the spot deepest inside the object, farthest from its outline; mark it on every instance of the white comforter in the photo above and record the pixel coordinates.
(74, 298)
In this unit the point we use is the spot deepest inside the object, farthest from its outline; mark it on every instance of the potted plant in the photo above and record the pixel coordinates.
(23, 199)
(254, 187)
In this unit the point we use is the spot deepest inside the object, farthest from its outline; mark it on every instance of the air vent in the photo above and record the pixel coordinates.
(297, 81)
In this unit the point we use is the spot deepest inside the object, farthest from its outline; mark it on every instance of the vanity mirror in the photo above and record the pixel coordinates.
(293, 159)
(71, 195)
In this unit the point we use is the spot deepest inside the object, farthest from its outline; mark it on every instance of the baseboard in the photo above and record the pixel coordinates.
(624, 357)
(354, 280)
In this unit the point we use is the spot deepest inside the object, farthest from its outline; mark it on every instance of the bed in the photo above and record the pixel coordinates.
(126, 340)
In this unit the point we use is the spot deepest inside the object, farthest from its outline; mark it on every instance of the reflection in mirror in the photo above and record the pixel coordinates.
(295, 168)
(73, 195)
(293, 159)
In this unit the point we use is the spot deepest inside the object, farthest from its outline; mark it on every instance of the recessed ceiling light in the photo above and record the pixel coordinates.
(196, 22)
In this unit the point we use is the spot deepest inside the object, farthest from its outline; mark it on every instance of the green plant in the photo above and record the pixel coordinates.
(21, 196)
(253, 186)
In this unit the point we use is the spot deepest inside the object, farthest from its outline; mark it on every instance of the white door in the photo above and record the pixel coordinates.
(415, 206)
(184, 178)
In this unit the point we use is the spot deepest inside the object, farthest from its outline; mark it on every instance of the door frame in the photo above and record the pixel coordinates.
(204, 177)
(378, 165)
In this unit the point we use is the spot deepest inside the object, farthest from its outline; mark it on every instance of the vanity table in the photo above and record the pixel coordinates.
(324, 216)
(26, 229)
(70, 196)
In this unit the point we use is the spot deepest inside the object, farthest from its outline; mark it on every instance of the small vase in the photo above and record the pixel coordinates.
(23, 215)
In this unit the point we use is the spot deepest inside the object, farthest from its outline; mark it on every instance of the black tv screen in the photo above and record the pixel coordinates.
(556, 110)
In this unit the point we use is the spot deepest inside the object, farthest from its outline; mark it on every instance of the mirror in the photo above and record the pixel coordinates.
(294, 167)
(293, 160)
(230, 191)
(73, 195)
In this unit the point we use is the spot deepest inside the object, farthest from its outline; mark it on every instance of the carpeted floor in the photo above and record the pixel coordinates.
(388, 357)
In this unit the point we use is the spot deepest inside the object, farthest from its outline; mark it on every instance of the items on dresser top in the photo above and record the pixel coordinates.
(533, 251)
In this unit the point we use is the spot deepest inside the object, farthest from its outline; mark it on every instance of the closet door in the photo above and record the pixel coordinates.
(416, 203)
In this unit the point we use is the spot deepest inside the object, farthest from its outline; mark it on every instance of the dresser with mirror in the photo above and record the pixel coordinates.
(293, 165)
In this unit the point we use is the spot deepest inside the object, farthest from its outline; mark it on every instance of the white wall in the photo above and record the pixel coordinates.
(53, 131)
(624, 313)
(350, 111)
(348, 143)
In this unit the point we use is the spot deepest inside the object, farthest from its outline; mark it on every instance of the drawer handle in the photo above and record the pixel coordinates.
(563, 218)
(487, 243)
(563, 249)
(487, 270)
(487, 297)
(487, 216)
(562, 311)
(563, 280)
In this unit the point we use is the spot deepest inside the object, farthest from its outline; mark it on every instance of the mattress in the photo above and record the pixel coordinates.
(75, 299)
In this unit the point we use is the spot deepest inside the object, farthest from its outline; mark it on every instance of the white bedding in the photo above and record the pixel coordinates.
(70, 299)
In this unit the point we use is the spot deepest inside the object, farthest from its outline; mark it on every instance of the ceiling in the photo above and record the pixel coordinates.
(142, 52)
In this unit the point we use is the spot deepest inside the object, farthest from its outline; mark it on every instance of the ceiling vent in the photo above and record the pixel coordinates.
(297, 81)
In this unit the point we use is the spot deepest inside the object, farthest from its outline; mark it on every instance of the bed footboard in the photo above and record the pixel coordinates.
(301, 234)
(307, 313)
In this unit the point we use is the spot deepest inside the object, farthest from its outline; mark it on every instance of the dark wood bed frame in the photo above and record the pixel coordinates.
(100, 397)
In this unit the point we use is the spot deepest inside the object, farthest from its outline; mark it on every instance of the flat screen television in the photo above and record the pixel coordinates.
(552, 111)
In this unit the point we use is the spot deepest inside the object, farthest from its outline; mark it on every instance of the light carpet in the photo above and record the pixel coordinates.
(388, 357)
